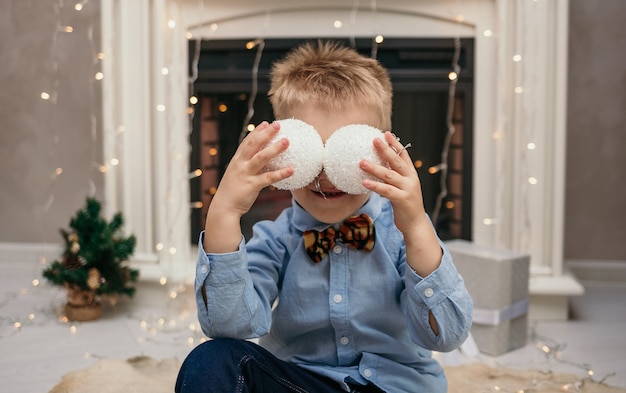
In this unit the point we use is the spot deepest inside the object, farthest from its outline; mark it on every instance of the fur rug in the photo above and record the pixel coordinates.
(144, 374)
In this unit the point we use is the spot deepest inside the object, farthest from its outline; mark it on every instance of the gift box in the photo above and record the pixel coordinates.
(497, 280)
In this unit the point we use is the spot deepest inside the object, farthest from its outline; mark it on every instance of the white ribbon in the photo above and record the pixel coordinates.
(495, 317)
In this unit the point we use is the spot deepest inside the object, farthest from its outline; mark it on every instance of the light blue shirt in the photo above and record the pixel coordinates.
(356, 316)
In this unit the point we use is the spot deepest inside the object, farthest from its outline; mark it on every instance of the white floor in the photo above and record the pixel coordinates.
(37, 347)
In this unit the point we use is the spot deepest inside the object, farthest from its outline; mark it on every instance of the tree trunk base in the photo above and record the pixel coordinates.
(83, 313)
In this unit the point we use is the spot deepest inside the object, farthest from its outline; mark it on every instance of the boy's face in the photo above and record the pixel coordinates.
(333, 205)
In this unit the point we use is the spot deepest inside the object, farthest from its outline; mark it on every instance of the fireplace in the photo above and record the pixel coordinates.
(518, 136)
(419, 69)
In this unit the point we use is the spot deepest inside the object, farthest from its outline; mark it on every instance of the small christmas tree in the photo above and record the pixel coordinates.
(92, 264)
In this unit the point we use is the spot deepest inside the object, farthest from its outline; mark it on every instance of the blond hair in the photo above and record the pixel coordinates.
(332, 77)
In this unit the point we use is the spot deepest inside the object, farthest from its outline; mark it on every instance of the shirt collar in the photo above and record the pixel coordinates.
(304, 221)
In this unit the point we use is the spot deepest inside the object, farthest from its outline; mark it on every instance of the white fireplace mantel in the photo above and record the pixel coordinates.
(519, 120)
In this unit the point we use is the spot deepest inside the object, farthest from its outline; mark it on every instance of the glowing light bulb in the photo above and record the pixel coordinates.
(379, 39)
(213, 26)
(459, 18)
(100, 56)
(517, 58)
(171, 23)
(418, 163)
(518, 90)
(193, 100)
(99, 76)
(250, 127)
(452, 76)
(165, 71)
(487, 221)
(188, 35)
(160, 108)
(44, 95)
(222, 108)
(78, 6)
(67, 29)
(159, 246)
(172, 250)
(337, 24)
(487, 33)
(197, 205)
(532, 180)
(114, 161)
(530, 146)
(35, 282)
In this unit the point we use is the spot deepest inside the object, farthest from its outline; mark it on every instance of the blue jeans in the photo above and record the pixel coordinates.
(238, 366)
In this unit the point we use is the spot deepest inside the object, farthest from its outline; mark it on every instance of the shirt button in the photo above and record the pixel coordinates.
(344, 340)
(428, 292)
(204, 269)
(337, 249)
(337, 298)
(367, 373)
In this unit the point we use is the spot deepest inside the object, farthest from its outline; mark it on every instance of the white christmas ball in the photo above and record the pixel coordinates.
(345, 148)
(304, 154)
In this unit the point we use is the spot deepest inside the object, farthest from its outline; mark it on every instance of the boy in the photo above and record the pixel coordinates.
(359, 320)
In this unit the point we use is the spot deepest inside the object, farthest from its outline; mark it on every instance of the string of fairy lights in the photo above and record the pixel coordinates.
(175, 323)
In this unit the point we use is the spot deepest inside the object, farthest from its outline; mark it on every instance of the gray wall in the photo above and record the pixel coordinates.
(595, 208)
(38, 136)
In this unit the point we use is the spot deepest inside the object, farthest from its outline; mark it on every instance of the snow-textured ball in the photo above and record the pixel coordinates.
(345, 148)
(304, 154)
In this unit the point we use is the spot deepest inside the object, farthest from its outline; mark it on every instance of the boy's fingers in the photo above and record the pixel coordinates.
(258, 138)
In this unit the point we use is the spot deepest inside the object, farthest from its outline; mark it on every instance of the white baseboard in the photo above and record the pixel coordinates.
(605, 271)
(29, 252)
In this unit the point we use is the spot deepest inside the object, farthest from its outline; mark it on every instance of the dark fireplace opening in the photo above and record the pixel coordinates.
(419, 70)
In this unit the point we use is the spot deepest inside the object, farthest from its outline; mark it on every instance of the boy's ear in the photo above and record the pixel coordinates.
(345, 149)
(305, 154)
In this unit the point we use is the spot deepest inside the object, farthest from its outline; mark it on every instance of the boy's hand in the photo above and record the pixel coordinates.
(401, 185)
(240, 186)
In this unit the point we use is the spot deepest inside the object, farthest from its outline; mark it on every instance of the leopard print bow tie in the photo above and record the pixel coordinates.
(356, 231)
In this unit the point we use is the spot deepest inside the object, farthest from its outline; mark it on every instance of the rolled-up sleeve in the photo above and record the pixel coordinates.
(227, 303)
(444, 294)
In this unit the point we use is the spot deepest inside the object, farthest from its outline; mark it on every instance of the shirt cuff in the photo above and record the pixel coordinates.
(226, 267)
(438, 285)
